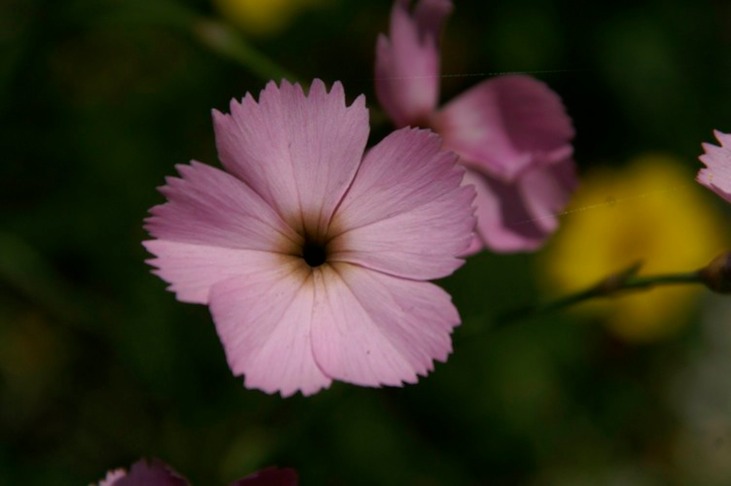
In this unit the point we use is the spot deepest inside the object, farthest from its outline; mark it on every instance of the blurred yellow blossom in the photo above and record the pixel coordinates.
(262, 17)
(652, 211)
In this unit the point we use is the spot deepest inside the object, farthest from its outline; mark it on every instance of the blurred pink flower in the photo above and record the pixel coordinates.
(717, 174)
(157, 473)
(511, 132)
(312, 256)
(144, 473)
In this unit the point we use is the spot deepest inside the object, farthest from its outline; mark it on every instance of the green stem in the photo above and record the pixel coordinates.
(614, 284)
(229, 43)
(214, 34)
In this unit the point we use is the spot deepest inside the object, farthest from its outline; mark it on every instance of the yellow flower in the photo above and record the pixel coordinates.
(262, 17)
(652, 211)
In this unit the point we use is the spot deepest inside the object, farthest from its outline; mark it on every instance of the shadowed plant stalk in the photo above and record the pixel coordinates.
(716, 276)
(215, 34)
(228, 42)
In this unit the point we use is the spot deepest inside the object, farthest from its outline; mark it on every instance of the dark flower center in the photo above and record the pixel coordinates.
(314, 254)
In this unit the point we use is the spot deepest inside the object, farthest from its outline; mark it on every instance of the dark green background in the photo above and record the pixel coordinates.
(99, 365)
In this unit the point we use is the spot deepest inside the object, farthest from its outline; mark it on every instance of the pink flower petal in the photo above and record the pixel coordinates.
(405, 213)
(407, 62)
(503, 222)
(299, 153)
(209, 207)
(521, 216)
(717, 174)
(476, 245)
(505, 125)
(191, 270)
(372, 329)
(546, 191)
(264, 320)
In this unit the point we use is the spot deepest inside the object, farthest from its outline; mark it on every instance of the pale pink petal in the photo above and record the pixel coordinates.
(521, 216)
(506, 125)
(212, 228)
(717, 174)
(264, 320)
(373, 329)
(407, 61)
(299, 153)
(191, 269)
(209, 207)
(405, 213)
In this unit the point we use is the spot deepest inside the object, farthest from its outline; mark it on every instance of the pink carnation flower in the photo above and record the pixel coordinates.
(312, 256)
(511, 132)
(717, 174)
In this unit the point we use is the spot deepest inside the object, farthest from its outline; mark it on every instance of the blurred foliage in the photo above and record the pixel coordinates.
(100, 366)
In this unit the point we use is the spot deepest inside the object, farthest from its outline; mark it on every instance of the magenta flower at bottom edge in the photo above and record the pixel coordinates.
(144, 473)
(717, 174)
(157, 473)
(511, 133)
(312, 256)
